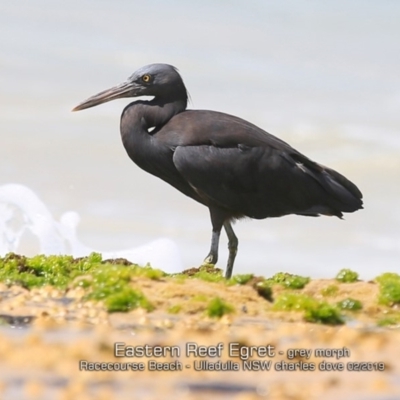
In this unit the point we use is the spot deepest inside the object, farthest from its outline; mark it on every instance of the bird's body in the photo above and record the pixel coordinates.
(226, 163)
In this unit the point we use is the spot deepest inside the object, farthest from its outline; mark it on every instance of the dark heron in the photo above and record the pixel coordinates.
(226, 163)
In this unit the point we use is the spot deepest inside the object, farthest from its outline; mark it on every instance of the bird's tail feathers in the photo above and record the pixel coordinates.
(346, 192)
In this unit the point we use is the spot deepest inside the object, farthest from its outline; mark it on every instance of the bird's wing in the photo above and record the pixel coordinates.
(238, 179)
(264, 181)
(233, 164)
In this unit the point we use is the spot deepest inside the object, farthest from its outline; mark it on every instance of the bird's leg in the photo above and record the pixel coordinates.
(217, 221)
(232, 246)
(212, 257)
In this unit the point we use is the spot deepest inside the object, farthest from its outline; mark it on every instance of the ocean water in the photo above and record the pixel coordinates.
(320, 75)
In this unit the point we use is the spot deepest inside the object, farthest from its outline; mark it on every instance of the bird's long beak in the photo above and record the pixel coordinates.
(125, 89)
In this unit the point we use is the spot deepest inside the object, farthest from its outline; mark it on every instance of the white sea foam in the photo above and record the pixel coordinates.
(21, 211)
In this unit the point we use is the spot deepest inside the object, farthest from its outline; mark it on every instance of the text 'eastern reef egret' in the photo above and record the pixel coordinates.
(226, 163)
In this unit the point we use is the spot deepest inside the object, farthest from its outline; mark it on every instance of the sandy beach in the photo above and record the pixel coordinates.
(57, 344)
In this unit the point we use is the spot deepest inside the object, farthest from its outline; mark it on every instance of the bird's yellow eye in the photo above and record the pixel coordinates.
(146, 78)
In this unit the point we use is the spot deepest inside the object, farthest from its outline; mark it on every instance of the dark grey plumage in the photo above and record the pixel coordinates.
(226, 163)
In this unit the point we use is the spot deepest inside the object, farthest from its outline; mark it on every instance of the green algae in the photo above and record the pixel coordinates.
(324, 313)
(40, 270)
(313, 310)
(107, 281)
(127, 299)
(175, 309)
(346, 275)
(289, 281)
(350, 304)
(331, 290)
(200, 297)
(241, 279)
(206, 272)
(264, 289)
(113, 283)
(389, 284)
(389, 319)
(179, 278)
(217, 308)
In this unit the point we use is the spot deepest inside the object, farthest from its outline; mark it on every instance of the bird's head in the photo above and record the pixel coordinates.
(158, 80)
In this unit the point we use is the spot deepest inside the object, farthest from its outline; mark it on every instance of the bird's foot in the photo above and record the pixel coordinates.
(210, 259)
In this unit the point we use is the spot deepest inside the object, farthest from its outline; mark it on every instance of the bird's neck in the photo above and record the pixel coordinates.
(139, 117)
(160, 111)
